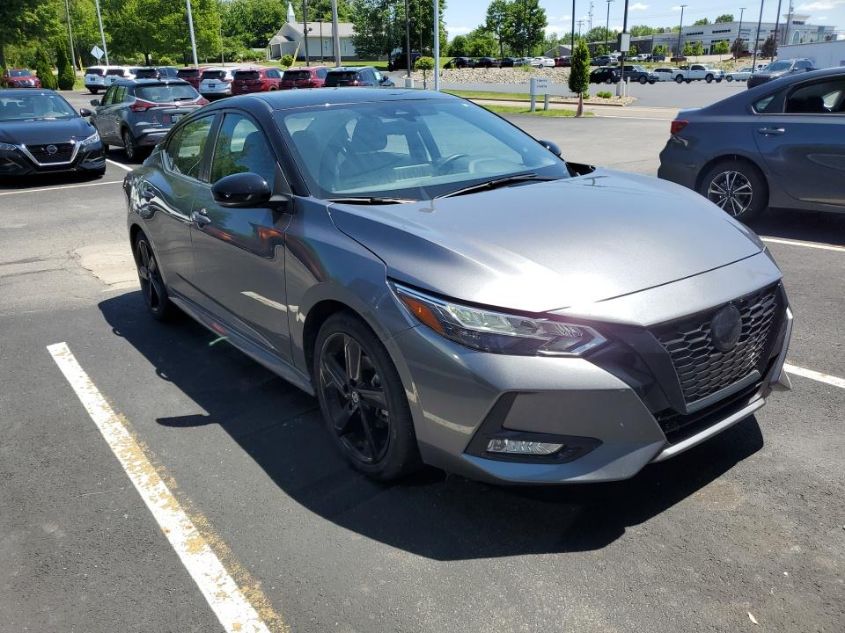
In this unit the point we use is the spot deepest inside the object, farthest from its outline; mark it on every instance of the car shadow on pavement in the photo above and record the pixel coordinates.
(431, 514)
(810, 226)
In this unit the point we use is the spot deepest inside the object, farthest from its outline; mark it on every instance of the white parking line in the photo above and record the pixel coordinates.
(60, 187)
(121, 165)
(821, 246)
(827, 379)
(220, 590)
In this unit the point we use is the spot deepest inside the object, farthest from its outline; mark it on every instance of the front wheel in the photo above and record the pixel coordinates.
(708, 78)
(679, 79)
(362, 399)
(643, 80)
(736, 187)
(729, 78)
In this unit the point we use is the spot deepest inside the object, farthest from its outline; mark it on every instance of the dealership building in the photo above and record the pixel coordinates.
(794, 29)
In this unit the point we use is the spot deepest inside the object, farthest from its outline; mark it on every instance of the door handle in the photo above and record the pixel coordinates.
(771, 131)
(200, 218)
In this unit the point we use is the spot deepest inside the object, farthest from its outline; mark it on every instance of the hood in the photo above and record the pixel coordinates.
(45, 131)
(553, 245)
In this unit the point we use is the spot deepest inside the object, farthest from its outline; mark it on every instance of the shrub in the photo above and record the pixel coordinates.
(424, 64)
(44, 70)
(67, 76)
(286, 61)
(164, 60)
(579, 75)
(604, 94)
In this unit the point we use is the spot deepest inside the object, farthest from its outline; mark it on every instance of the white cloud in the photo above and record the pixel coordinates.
(457, 30)
(638, 6)
(676, 8)
(820, 5)
(821, 19)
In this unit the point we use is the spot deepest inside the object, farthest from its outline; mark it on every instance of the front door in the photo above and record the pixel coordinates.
(239, 253)
(803, 145)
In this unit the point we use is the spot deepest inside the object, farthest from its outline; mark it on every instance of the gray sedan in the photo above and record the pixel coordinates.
(452, 291)
(781, 144)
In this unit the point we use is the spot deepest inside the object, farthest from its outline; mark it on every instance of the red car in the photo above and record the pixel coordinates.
(306, 77)
(20, 78)
(256, 79)
(191, 75)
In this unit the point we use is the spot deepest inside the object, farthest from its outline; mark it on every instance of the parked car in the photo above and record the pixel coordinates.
(600, 60)
(304, 77)
(522, 61)
(666, 73)
(157, 72)
(431, 326)
(19, 78)
(41, 133)
(751, 151)
(119, 72)
(459, 62)
(781, 68)
(565, 61)
(359, 77)
(192, 75)
(95, 78)
(256, 79)
(739, 75)
(137, 114)
(657, 57)
(507, 62)
(605, 75)
(487, 62)
(398, 60)
(542, 62)
(639, 74)
(678, 59)
(699, 72)
(216, 82)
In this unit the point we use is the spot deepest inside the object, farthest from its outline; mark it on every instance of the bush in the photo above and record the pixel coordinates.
(604, 94)
(579, 76)
(44, 70)
(164, 60)
(67, 76)
(286, 61)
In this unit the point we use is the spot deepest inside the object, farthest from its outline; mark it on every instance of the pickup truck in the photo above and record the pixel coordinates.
(697, 72)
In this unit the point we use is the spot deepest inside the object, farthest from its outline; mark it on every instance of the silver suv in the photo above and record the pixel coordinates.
(137, 114)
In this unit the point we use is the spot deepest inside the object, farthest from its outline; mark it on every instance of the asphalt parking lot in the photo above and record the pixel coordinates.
(745, 532)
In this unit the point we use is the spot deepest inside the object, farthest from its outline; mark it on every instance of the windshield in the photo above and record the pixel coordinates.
(20, 73)
(778, 66)
(165, 93)
(409, 149)
(32, 107)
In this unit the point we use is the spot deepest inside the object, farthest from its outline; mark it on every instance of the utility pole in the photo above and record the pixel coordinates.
(777, 39)
(739, 30)
(335, 34)
(681, 30)
(70, 34)
(436, 45)
(788, 24)
(757, 37)
(102, 33)
(590, 17)
(580, 22)
(607, 28)
(191, 29)
(322, 48)
(621, 83)
(305, 29)
(573, 29)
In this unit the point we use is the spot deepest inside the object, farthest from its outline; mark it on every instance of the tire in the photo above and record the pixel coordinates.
(153, 289)
(708, 78)
(651, 82)
(679, 79)
(608, 81)
(729, 78)
(94, 90)
(734, 178)
(689, 81)
(130, 148)
(379, 442)
(643, 80)
(719, 80)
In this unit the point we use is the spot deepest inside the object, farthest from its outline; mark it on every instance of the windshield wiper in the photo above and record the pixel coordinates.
(371, 200)
(496, 182)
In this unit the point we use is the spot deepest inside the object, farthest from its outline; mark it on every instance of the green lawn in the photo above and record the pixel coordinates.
(500, 109)
(481, 94)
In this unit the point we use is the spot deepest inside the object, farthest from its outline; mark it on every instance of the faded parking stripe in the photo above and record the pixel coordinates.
(235, 613)
(818, 376)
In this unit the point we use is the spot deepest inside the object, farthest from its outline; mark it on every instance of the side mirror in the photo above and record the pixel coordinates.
(552, 147)
(241, 190)
(85, 112)
(96, 102)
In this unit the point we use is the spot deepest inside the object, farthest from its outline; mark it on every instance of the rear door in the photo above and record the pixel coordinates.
(239, 254)
(803, 143)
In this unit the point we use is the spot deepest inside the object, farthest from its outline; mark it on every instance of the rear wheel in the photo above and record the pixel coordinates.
(130, 148)
(736, 187)
(679, 78)
(708, 78)
(729, 78)
(152, 284)
(362, 399)
(94, 90)
(643, 80)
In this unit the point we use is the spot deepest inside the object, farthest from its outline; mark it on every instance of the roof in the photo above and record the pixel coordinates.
(286, 99)
(17, 92)
(344, 29)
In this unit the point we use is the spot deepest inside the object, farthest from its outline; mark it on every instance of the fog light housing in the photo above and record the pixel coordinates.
(521, 447)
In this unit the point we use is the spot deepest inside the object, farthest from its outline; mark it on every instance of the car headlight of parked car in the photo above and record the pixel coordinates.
(94, 138)
(498, 332)
(8, 147)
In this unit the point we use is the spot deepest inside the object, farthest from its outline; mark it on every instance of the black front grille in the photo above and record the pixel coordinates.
(61, 152)
(702, 369)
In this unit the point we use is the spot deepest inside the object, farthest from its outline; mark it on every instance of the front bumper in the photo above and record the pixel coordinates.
(610, 410)
(17, 163)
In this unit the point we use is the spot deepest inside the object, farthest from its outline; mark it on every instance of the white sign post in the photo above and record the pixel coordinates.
(97, 52)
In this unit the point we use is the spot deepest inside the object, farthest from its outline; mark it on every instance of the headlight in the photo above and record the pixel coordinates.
(8, 147)
(498, 332)
(94, 138)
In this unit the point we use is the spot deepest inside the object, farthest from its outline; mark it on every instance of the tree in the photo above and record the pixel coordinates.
(634, 50)
(660, 49)
(525, 25)
(640, 30)
(44, 70)
(701, 22)
(725, 17)
(693, 48)
(599, 34)
(67, 76)
(496, 22)
(720, 48)
(480, 43)
(253, 22)
(24, 20)
(579, 76)
(287, 60)
(769, 48)
(738, 47)
(424, 64)
(458, 47)
(379, 26)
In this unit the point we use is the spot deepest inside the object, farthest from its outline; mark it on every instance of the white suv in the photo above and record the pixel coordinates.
(95, 77)
(217, 82)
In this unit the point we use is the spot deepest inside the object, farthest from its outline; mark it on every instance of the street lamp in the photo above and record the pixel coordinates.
(681, 30)
(103, 35)
(757, 37)
(191, 30)
(739, 31)
(777, 39)
(572, 46)
(607, 28)
(305, 29)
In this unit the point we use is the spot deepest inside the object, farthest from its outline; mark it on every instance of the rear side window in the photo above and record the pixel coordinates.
(274, 74)
(322, 72)
(185, 150)
(821, 97)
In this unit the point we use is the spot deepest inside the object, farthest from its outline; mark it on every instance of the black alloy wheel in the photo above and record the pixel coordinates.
(362, 399)
(642, 80)
(152, 284)
(129, 146)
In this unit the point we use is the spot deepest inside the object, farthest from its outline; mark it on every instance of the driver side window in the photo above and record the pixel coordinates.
(184, 153)
(242, 147)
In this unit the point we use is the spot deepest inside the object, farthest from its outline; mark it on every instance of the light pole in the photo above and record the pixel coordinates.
(757, 37)
(70, 34)
(777, 39)
(102, 33)
(305, 30)
(335, 34)
(681, 30)
(321, 40)
(407, 39)
(607, 28)
(621, 83)
(573, 29)
(191, 29)
(436, 45)
(739, 31)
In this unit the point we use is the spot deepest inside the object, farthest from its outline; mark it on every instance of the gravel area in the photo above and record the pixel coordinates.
(498, 75)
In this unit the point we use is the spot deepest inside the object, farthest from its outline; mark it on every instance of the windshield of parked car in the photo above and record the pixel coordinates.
(35, 107)
(409, 149)
(20, 73)
(778, 66)
(166, 93)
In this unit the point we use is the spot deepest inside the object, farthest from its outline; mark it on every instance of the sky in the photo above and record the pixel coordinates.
(464, 15)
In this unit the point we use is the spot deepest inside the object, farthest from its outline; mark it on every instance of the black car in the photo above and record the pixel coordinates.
(357, 77)
(781, 68)
(506, 62)
(600, 60)
(486, 62)
(605, 75)
(657, 57)
(399, 60)
(460, 62)
(640, 74)
(781, 144)
(40, 132)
